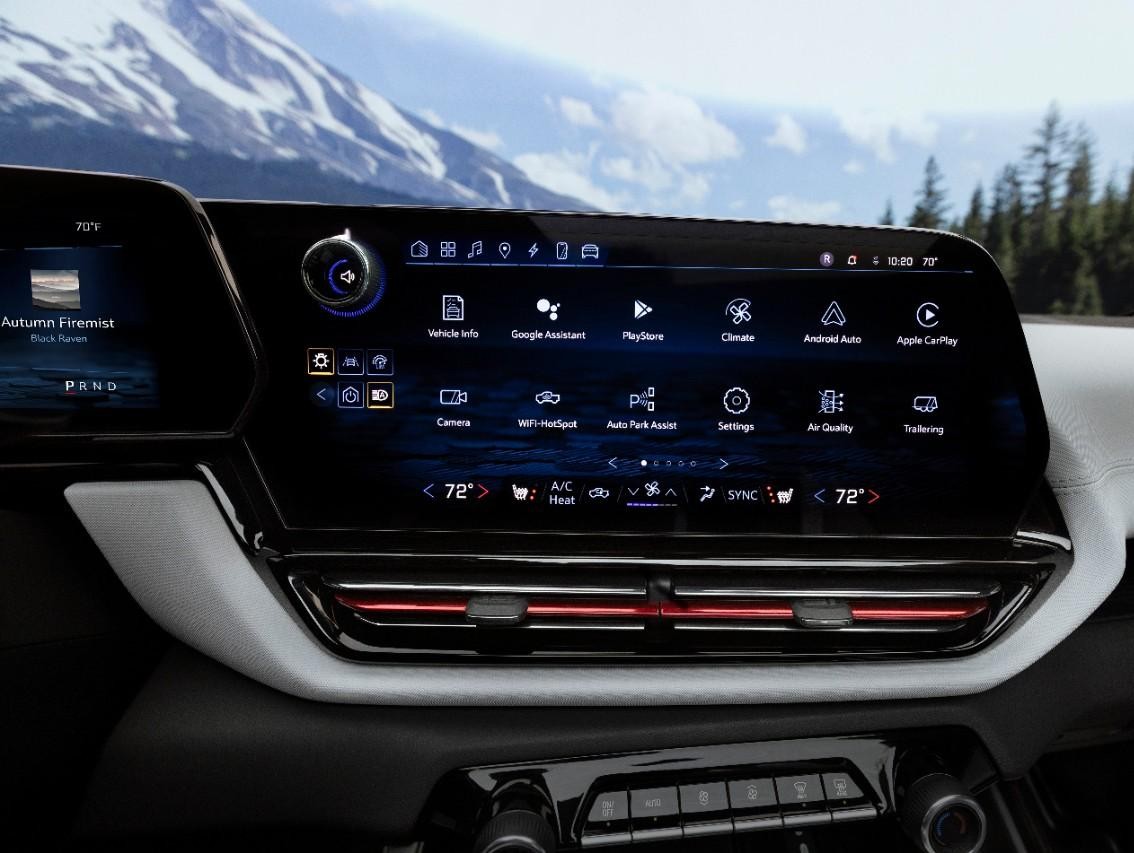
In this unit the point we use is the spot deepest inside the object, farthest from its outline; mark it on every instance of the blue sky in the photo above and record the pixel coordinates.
(807, 111)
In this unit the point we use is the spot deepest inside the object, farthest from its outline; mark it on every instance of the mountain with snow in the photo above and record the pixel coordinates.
(212, 81)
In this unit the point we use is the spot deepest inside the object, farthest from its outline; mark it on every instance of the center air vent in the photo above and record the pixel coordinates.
(819, 611)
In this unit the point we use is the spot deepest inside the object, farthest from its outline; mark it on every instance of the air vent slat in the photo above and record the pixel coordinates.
(663, 613)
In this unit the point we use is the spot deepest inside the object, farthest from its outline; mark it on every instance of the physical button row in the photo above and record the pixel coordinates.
(721, 808)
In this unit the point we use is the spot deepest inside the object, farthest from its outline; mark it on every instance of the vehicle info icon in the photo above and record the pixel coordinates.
(926, 404)
(452, 308)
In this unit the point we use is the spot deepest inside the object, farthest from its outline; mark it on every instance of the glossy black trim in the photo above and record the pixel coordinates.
(465, 798)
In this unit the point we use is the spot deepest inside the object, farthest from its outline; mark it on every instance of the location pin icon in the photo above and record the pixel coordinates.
(505, 249)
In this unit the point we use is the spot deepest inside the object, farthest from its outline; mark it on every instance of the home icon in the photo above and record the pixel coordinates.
(419, 249)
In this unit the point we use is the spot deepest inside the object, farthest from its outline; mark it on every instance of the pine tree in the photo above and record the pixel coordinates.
(1119, 289)
(931, 205)
(1046, 159)
(1061, 248)
(973, 224)
(1005, 222)
(1109, 241)
(1045, 162)
(888, 213)
(1073, 270)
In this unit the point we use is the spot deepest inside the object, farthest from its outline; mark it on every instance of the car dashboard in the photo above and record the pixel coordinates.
(623, 530)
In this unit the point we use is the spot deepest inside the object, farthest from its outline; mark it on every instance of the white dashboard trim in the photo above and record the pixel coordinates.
(171, 546)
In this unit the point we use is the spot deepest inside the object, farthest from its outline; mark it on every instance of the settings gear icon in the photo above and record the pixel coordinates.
(736, 401)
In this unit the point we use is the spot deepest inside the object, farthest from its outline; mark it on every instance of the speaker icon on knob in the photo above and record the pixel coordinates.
(345, 277)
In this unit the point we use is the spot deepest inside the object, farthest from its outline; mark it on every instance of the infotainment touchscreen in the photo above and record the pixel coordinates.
(448, 371)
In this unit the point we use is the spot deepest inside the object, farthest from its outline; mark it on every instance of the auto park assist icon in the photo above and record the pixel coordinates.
(644, 399)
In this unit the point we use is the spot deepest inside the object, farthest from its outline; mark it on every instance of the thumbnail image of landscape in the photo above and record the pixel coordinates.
(55, 289)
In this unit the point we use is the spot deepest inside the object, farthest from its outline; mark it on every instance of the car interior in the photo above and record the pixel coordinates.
(406, 528)
(321, 590)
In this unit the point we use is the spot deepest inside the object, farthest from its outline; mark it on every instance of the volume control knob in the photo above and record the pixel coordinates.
(343, 275)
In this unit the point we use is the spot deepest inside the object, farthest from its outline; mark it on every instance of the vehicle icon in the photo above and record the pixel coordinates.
(598, 493)
(925, 404)
(544, 397)
(590, 251)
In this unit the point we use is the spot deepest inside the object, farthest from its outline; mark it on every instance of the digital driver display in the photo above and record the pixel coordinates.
(116, 319)
(639, 376)
(74, 331)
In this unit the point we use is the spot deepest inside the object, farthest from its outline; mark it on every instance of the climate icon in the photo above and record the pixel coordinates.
(739, 311)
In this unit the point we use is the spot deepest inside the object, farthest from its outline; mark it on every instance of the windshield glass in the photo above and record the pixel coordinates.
(984, 119)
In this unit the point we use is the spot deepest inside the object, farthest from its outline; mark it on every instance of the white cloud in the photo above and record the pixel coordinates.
(489, 139)
(737, 204)
(717, 49)
(647, 171)
(653, 139)
(672, 126)
(342, 8)
(877, 131)
(695, 187)
(578, 112)
(853, 167)
(788, 134)
(650, 173)
(567, 172)
(788, 208)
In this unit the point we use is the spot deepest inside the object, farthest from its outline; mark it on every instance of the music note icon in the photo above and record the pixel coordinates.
(477, 249)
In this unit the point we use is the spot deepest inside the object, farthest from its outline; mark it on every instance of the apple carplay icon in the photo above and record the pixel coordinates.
(641, 309)
(928, 315)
